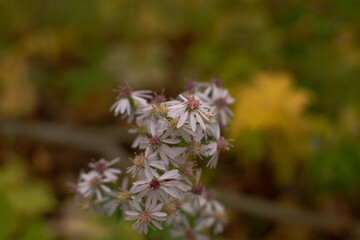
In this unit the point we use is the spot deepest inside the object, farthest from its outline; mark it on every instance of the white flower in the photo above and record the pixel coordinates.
(196, 149)
(172, 207)
(141, 130)
(190, 109)
(103, 167)
(159, 144)
(219, 216)
(163, 188)
(186, 168)
(211, 88)
(169, 128)
(192, 86)
(143, 163)
(92, 183)
(221, 99)
(214, 213)
(195, 86)
(214, 148)
(128, 99)
(187, 232)
(120, 198)
(151, 215)
(153, 111)
(196, 195)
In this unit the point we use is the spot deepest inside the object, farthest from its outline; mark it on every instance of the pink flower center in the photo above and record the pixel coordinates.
(197, 189)
(73, 188)
(100, 166)
(193, 103)
(144, 217)
(222, 102)
(223, 144)
(154, 142)
(190, 86)
(159, 99)
(125, 91)
(154, 184)
(217, 81)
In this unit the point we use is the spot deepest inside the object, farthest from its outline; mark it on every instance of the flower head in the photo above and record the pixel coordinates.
(103, 166)
(190, 109)
(128, 100)
(155, 187)
(151, 215)
(93, 183)
(145, 162)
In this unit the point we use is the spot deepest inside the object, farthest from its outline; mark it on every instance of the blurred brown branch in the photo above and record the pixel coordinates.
(107, 142)
(103, 141)
(287, 214)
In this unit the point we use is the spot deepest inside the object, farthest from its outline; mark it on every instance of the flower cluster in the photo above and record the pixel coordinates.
(175, 139)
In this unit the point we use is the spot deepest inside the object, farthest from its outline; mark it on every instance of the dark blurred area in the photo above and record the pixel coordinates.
(293, 67)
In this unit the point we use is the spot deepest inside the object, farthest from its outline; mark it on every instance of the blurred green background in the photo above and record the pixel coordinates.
(293, 66)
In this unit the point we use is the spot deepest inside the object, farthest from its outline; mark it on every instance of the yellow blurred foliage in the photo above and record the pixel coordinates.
(17, 92)
(49, 44)
(150, 19)
(350, 121)
(108, 9)
(270, 101)
(269, 123)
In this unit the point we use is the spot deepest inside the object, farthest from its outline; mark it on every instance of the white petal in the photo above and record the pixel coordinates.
(198, 117)
(159, 165)
(157, 207)
(156, 224)
(170, 174)
(140, 182)
(148, 202)
(124, 183)
(145, 228)
(138, 188)
(132, 213)
(148, 173)
(202, 223)
(160, 214)
(135, 205)
(176, 151)
(142, 194)
(128, 217)
(182, 119)
(165, 197)
(164, 158)
(171, 191)
(182, 97)
(171, 141)
(192, 122)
